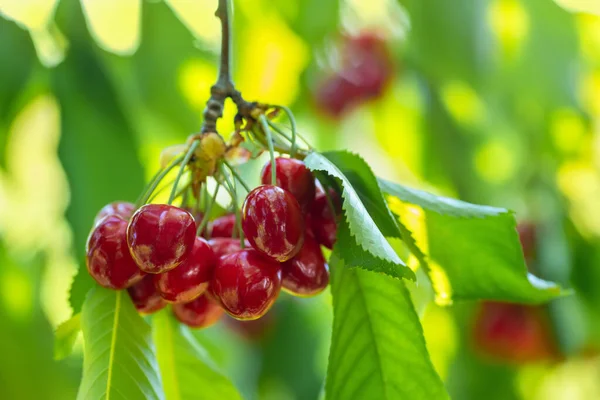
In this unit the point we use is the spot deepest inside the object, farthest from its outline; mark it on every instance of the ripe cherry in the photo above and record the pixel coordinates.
(293, 176)
(246, 283)
(224, 246)
(121, 208)
(145, 297)
(160, 237)
(199, 313)
(223, 227)
(108, 260)
(322, 218)
(190, 279)
(513, 332)
(273, 222)
(306, 274)
(195, 213)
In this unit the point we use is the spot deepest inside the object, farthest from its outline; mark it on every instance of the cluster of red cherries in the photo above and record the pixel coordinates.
(366, 70)
(154, 252)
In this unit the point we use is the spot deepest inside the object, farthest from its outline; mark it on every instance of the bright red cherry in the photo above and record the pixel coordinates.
(160, 237)
(513, 332)
(145, 297)
(224, 246)
(246, 283)
(306, 274)
(108, 260)
(273, 222)
(293, 176)
(121, 208)
(223, 227)
(190, 279)
(199, 313)
(322, 219)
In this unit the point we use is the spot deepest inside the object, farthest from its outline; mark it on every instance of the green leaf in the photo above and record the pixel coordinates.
(81, 285)
(378, 350)
(65, 336)
(363, 244)
(477, 248)
(118, 360)
(187, 370)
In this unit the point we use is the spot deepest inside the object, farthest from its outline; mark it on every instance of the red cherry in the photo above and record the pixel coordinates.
(190, 279)
(199, 313)
(306, 274)
(322, 219)
(224, 246)
(195, 213)
(223, 227)
(145, 297)
(160, 237)
(513, 332)
(108, 260)
(293, 176)
(246, 283)
(273, 222)
(121, 208)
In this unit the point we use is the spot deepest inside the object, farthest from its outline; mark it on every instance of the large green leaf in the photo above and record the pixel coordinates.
(187, 371)
(378, 350)
(364, 245)
(477, 247)
(118, 360)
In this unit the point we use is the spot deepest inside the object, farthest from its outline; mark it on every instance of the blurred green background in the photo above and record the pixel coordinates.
(492, 101)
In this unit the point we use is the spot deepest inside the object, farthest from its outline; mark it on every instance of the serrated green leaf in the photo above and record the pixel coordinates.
(81, 285)
(477, 248)
(65, 336)
(118, 359)
(378, 350)
(187, 371)
(363, 231)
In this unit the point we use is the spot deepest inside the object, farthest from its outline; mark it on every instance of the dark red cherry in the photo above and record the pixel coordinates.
(121, 208)
(145, 297)
(108, 260)
(293, 176)
(160, 237)
(307, 273)
(322, 219)
(223, 227)
(224, 246)
(199, 313)
(190, 279)
(513, 332)
(246, 283)
(273, 222)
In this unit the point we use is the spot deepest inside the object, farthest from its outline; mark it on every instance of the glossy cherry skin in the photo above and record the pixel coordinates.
(121, 208)
(160, 237)
(108, 260)
(246, 284)
(190, 279)
(322, 219)
(225, 246)
(145, 297)
(513, 333)
(223, 227)
(307, 273)
(201, 312)
(273, 222)
(293, 176)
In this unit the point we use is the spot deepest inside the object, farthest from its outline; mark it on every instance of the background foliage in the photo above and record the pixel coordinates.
(493, 102)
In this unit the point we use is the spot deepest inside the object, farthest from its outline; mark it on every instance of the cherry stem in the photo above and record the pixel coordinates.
(265, 126)
(233, 193)
(237, 176)
(157, 179)
(184, 163)
(207, 210)
(290, 116)
(224, 87)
